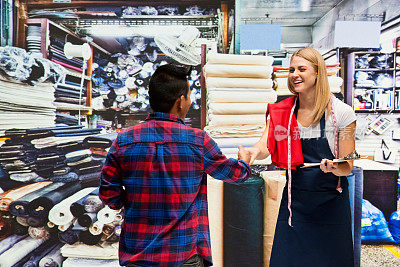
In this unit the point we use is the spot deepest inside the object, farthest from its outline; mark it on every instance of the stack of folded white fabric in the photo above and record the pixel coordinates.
(282, 74)
(239, 88)
(24, 106)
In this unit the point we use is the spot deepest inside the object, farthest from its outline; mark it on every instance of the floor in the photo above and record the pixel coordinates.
(380, 255)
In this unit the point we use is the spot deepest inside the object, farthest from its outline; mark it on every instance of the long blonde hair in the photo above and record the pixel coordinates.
(322, 91)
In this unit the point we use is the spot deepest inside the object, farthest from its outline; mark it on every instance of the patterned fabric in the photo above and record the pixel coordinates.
(157, 171)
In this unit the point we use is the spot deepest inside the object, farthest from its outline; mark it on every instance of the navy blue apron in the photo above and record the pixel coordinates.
(321, 222)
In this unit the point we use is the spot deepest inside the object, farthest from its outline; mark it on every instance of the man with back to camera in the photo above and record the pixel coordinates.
(157, 170)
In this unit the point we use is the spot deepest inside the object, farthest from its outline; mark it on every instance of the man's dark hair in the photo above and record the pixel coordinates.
(166, 85)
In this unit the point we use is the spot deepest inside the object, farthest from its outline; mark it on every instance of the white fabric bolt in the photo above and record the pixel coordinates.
(216, 58)
(240, 95)
(216, 82)
(235, 142)
(235, 71)
(60, 214)
(106, 215)
(219, 120)
(237, 108)
(19, 250)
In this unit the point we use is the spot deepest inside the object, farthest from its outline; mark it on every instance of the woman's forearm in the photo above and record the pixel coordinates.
(343, 169)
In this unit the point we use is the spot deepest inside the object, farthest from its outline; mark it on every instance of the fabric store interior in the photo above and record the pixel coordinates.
(75, 73)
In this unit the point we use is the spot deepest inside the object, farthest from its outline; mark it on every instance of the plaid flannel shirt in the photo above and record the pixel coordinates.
(157, 171)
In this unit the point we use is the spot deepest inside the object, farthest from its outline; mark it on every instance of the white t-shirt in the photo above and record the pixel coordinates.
(344, 116)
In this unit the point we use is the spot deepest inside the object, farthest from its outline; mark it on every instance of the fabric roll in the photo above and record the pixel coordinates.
(216, 82)
(9, 241)
(241, 95)
(216, 58)
(39, 208)
(96, 228)
(79, 154)
(215, 217)
(90, 179)
(100, 142)
(64, 227)
(233, 71)
(33, 261)
(235, 142)
(78, 162)
(24, 177)
(93, 204)
(89, 167)
(118, 230)
(66, 65)
(102, 251)
(83, 262)
(77, 158)
(275, 182)
(19, 251)
(108, 229)
(12, 195)
(38, 232)
(243, 223)
(60, 214)
(8, 184)
(229, 131)
(18, 229)
(65, 178)
(69, 236)
(79, 207)
(106, 215)
(20, 207)
(22, 220)
(222, 120)
(87, 219)
(237, 108)
(87, 238)
(53, 258)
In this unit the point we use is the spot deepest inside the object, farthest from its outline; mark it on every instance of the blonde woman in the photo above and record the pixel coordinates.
(314, 224)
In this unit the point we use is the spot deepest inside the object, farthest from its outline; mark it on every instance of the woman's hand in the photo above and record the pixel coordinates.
(328, 166)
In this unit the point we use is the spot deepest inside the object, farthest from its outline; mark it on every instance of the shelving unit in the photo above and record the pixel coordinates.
(49, 28)
(367, 96)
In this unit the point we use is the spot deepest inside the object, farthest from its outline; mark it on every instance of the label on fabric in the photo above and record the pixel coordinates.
(366, 222)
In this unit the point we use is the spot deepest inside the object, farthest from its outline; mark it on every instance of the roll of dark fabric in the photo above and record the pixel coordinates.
(39, 253)
(78, 208)
(39, 208)
(87, 238)
(358, 195)
(5, 227)
(6, 183)
(87, 219)
(90, 179)
(20, 206)
(70, 236)
(243, 223)
(93, 141)
(18, 229)
(89, 167)
(65, 178)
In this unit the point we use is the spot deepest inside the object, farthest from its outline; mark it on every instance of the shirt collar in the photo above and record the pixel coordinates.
(164, 117)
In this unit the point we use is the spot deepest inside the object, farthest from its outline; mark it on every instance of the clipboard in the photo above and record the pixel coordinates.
(351, 156)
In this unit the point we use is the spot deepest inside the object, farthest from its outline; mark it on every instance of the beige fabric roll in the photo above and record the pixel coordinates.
(237, 108)
(282, 83)
(216, 82)
(235, 131)
(215, 216)
(235, 71)
(241, 95)
(101, 251)
(220, 120)
(216, 58)
(274, 183)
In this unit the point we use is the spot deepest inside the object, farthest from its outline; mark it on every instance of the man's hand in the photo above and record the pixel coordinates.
(244, 154)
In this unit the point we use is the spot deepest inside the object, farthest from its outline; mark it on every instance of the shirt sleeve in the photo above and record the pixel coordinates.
(111, 189)
(220, 167)
(344, 114)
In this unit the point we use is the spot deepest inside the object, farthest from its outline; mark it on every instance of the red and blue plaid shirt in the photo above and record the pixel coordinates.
(157, 171)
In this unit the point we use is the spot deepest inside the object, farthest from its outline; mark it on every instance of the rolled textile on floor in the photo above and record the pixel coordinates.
(237, 108)
(235, 131)
(9, 241)
(221, 120)
(33, 261)
(78, 208)
(79, 250)
(20, 207)
(53, 258)
(93, 203)
(40, 207)
(7, 197)
(87, 238)
(215, 218)
(215, 82)
(96, 228)
(106, 215)
(69, 236)
(235, 71)
(216, 58)
(235, 142)
(19, 251)
(60, 214)
(38, 232)
(97, 141)
(83, 262)
(275, 181)
(87, 219)
(240, 95)
(243, 223)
